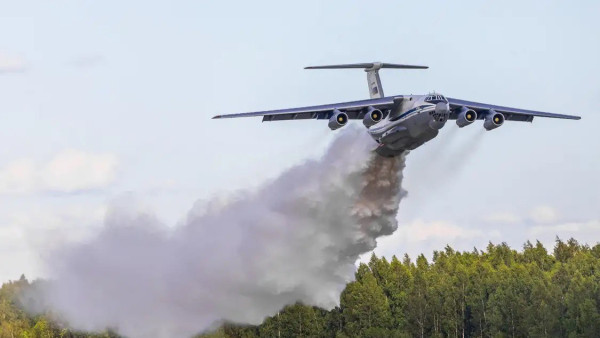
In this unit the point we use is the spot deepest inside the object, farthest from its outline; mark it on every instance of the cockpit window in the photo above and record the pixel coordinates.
(435, 99)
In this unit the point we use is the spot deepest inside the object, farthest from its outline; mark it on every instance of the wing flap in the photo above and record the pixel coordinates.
(513, 114)
(293, 116)
(353, 109)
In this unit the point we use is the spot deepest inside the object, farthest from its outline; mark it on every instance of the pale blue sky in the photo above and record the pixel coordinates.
(136, 83)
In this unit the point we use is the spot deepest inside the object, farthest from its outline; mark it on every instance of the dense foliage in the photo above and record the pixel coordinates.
(494, 293)
(498, 292)
(15, 322)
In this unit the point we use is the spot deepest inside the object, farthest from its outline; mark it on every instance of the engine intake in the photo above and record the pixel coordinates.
(493, 120)
(465, 117)
(372, 116)
(337, 120)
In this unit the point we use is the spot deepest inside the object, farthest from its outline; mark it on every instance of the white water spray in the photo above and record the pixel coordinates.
(295, 239)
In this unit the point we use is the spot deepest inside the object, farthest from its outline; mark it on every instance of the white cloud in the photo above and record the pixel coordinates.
(87, 61)
(419, 231)
(421, 236)
(586, 232)
(502, 218)
(69, 216)
(11, 63)
(26, 235)
(74, 170)
(543, 214)
(569, 229)
(68, 171)
(18, 176)
(539, 215)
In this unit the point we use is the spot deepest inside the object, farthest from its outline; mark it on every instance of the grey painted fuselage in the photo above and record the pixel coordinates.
(409, 125)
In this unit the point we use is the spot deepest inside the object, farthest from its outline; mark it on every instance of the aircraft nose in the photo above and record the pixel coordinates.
(442, 108)
(441, 112)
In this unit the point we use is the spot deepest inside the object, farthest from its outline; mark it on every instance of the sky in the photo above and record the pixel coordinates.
(112, 100)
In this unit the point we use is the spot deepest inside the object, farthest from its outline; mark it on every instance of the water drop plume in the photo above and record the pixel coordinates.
(296, 238)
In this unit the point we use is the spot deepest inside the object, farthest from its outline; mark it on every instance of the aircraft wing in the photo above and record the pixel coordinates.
(353, 109)
(512, 114)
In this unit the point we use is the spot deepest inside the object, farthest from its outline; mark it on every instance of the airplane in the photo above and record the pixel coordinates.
(401, 122)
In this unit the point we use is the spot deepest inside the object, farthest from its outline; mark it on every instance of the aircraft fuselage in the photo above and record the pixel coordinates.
(412, 123)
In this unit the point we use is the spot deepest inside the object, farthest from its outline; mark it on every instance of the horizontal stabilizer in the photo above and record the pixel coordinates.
(372, 69)
(369, 65)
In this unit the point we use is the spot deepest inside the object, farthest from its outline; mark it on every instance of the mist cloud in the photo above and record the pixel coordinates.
(295, 239)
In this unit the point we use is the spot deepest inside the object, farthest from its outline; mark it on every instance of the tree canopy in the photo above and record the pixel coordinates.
(499, 292)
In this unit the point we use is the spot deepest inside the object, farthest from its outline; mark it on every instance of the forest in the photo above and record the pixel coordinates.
(496, 292)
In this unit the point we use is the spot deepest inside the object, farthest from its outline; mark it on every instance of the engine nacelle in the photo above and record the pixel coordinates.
(465, 116)
(337, 120)
(493, 120)
(372, 116)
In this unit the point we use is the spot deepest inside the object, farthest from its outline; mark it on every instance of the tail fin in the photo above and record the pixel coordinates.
(372, 69)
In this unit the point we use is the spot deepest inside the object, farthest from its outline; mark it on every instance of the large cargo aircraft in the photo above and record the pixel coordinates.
(401, 122)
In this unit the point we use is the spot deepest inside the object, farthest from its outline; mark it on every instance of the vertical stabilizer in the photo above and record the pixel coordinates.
(375, 87)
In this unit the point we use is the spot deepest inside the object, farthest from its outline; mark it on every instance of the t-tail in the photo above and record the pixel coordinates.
(372, 69)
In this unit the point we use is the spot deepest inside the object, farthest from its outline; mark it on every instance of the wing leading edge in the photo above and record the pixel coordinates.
(353, 109)
(514, 114)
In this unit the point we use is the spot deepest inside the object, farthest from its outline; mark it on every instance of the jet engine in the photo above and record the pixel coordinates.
(440, 116)
(372, 117)
(493, 120)
(337, 120)
(465, 117)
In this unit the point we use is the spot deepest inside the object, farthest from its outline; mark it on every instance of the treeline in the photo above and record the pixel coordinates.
(16, 322)
(498, 292)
